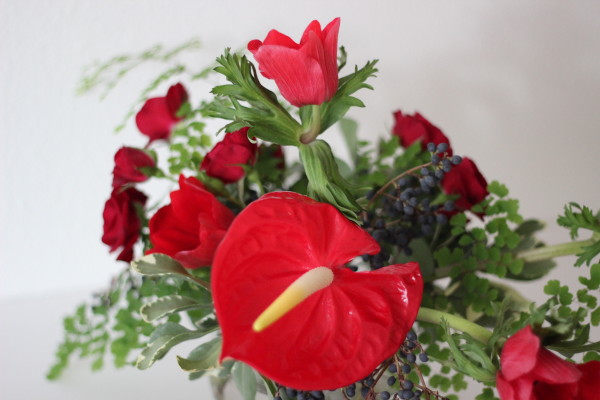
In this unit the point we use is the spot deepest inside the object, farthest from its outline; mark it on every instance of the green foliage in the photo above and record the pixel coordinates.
(245, 380)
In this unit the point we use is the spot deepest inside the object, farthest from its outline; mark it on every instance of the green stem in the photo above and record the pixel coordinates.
(557, 250)
(477, 332)
(314, 125)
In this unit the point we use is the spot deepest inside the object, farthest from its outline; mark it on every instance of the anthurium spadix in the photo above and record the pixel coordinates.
(289, 307)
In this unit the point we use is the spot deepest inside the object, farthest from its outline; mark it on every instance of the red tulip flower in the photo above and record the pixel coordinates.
(191, 227)
(158, 115)
(466, 181)
(305, 73)
(128, 162)
(531, 372)
(410, 128)
(122, 224)
(223, 161)
(287, 305)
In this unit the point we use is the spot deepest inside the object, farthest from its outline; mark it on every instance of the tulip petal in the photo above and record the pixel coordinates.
(299, 77)
(338, 334)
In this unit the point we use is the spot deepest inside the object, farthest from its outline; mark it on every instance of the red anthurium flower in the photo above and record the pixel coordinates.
(410, 128)
(158, 115)
(122, 224)
(287, 305)
(531, 372)
(128, 162)
(223, 161)
(466, 181)
(305, 73)
(191, 227)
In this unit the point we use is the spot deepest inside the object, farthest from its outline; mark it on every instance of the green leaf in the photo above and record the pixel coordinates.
(552, 287)
(594, 282)
(245, 380)
(498, 189)
(203, 358)
(157, 264)
(163, 339)
(349, 129)
(167, 305)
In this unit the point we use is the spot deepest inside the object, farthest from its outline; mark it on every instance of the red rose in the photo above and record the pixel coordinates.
(531, 372)
(158, 115)
(222, 162)
(128, 162)
(466, 181)
(122, 224)
(305, 73)
(191, 227)
(410, 128)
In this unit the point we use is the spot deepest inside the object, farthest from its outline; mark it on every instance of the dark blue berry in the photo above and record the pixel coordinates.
(431, 147)
(423, 357)
(410, 345)
(406, 394)
(441, 219)
(406, 369)
(317, 394)
(411, 336)
(408, 210)
(411, 358)
(408, 384)
(413, 202)
(291, 392)
(442, 147)
(435, 159)
(350, 392)
(391, 380)
(439, 174)
(456, 160)
(392, 368)
(384, 395)
(365, 391)
(424, 171)
(369, 381)
(302, 396)
(403, 182)
(446, 165)
(449, 205)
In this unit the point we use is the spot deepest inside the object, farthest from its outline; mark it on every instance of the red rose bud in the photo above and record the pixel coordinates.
(191, 227)
(528, 371)
(128, 162)
(410, 128)
(223, 161)
(305, 73)
(279, 281)
(158, 115)
(122, 224)
(466, 181)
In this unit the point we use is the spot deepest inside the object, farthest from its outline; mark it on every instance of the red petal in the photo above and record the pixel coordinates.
(279, 39)
(552, 369)
(299, 77)
(330, 43)
(176, 96)
(336, 336)
(589, 383)
(154, 119)
(519, 354)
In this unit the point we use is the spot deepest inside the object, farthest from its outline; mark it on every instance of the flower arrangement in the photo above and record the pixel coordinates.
(388, 278)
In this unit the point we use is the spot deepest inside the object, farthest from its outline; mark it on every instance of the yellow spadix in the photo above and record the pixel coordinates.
(309, 283)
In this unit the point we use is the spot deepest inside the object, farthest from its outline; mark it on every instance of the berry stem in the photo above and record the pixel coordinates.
(556, 250)
(391, 181)
(478, 332)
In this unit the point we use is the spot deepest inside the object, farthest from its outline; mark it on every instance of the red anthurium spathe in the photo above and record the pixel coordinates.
(191, 227)
(305, 73)
(158, 115)
(531, 372)
(335, 336)
(410, 128)
(466, 181)
(223, 161)
(128, 162)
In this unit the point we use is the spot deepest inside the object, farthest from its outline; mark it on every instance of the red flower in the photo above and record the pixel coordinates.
(222, 162)
(305, 73)
(158, 115)
(465, 180)
(337, 335)
(410, 128)
(531, 372)
(191, 227)
(128, 162)
(122, 224)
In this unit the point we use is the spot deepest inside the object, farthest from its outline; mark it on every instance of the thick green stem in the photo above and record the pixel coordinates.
(557, 250)
(314, 125)
(477, 332)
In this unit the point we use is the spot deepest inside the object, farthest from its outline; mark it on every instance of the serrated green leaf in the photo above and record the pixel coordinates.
(164, 306)
(245, 380)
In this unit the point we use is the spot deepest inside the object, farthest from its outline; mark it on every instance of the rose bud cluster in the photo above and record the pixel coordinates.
(225, 159)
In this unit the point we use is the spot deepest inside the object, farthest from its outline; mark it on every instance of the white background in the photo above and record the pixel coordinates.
(515, 85)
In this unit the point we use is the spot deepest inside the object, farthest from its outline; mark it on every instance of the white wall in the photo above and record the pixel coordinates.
(515, 85)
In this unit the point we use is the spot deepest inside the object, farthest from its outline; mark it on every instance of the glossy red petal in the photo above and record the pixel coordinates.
(279, 39)
(336, 336)
(330, 45)
(299, 77)
(519, 354)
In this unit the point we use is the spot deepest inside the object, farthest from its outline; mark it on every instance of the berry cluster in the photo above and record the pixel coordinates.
(299, 394)
(407, 209)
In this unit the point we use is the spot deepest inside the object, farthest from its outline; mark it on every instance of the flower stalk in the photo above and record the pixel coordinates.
(476, 331)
